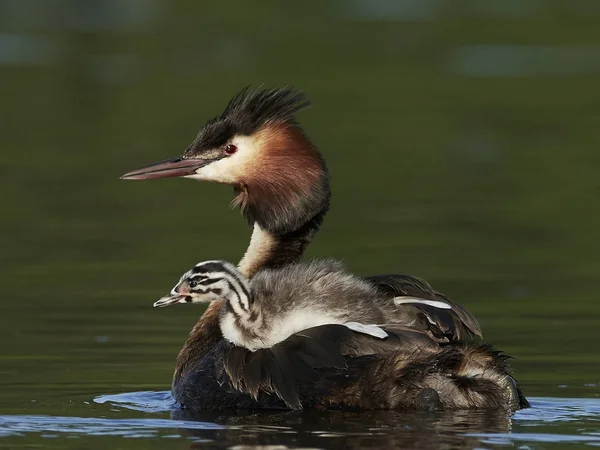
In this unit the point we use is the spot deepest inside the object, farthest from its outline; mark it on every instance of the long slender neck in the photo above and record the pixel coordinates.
(271, 249)
(285, 215)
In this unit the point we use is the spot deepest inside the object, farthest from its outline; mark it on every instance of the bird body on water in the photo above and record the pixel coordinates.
(434, 358)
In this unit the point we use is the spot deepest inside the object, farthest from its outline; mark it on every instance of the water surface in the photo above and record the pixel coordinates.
(149, 417)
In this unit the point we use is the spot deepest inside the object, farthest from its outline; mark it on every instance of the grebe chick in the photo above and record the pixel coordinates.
(278, 303)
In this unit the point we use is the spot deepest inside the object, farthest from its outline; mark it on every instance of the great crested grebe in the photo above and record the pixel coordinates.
(282, 186)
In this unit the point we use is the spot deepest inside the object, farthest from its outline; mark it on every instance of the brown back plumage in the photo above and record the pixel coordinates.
(331, 366)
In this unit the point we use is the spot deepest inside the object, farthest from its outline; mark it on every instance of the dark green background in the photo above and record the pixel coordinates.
(462, 138)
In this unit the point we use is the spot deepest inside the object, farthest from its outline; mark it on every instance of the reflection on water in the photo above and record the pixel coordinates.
(549, 420)
(93, 426)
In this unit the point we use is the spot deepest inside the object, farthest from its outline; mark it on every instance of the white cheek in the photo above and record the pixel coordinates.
(220, 172)
(231, 169)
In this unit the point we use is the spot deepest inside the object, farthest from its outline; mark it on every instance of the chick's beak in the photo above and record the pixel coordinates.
(172, 300)
(175, 167)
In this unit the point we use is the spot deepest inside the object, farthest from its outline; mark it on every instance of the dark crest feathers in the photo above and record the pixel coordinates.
(254, 108)
(247, 112)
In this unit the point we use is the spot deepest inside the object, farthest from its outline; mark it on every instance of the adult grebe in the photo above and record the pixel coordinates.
(282, 186)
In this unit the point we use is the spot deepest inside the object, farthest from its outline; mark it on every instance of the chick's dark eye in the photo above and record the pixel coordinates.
(192, 284)
(230, 149)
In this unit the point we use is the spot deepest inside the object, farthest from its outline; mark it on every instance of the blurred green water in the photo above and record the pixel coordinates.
(484, 185)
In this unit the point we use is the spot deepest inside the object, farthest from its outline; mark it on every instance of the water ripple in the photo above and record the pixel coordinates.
(144, 401)
(556, 420)
(91, 426)
(547, 410)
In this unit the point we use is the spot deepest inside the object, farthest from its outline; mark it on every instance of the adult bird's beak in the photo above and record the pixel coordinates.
(176, 167)
(171, 300)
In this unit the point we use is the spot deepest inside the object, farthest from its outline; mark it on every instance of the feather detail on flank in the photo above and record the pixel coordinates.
(370, 329)
(434, 303)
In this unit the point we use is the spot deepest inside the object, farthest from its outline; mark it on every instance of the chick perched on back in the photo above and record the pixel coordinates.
(278, 303)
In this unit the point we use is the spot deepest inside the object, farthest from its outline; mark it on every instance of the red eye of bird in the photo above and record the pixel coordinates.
(230, 149)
